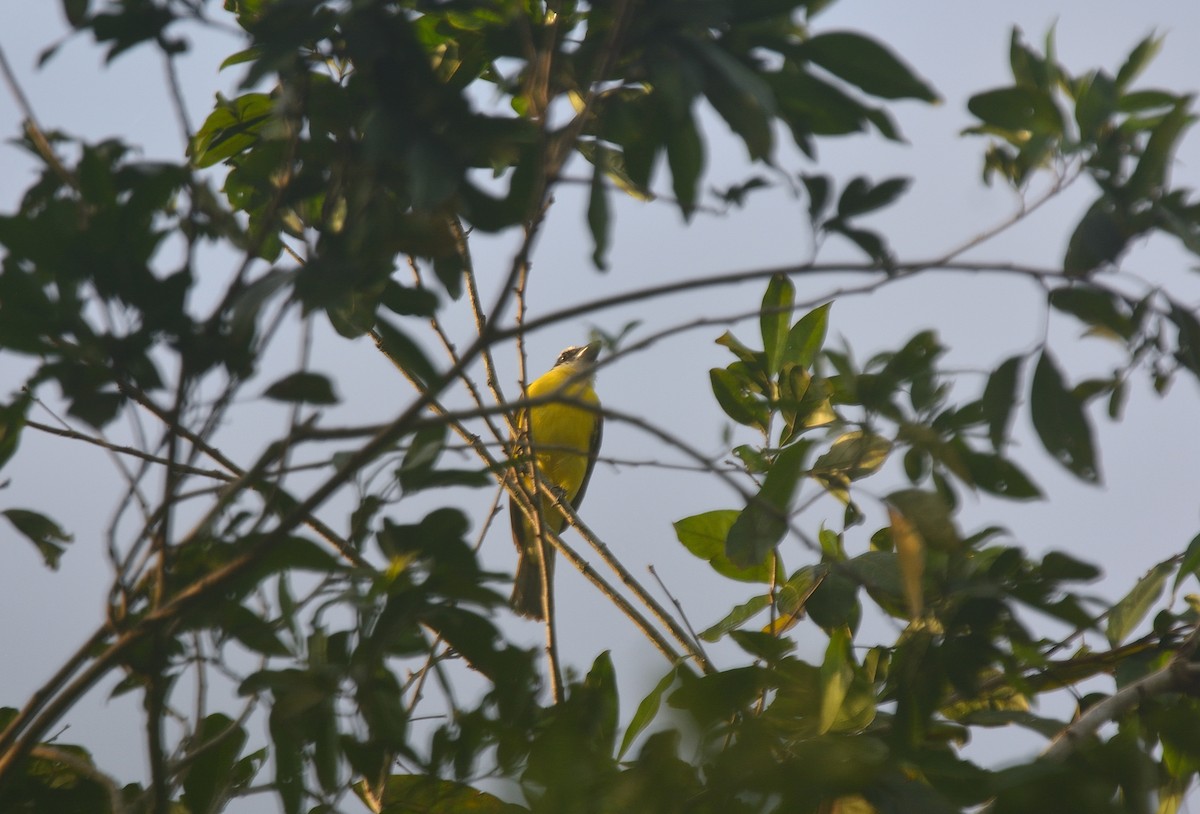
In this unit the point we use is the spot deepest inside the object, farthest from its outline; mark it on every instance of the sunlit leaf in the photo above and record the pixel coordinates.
(910, 552)
(1128, 613)
(853, 456)
(837, 671)
(930, 515)
(774, 318)
(704, 536)
(807, 336)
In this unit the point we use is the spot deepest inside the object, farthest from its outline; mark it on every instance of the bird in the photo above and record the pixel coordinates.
(565, 439)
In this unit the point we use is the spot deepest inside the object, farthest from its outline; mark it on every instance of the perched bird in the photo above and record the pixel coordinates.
(565, 439)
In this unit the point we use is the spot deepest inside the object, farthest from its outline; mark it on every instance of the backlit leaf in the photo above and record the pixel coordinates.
(1127, 614)
(910, 552)
(774, 318)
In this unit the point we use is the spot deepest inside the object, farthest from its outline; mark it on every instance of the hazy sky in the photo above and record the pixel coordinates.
(1146, 511)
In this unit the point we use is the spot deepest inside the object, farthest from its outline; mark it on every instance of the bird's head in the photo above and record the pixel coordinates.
(581, 356)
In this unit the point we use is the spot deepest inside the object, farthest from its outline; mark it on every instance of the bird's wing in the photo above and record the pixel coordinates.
(593, 453)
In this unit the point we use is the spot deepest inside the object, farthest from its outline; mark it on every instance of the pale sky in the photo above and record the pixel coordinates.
(1146, 511)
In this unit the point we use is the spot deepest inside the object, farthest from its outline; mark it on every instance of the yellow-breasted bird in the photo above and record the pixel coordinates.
(565, 439)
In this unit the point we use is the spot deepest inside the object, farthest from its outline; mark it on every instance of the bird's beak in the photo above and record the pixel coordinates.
(590, 352)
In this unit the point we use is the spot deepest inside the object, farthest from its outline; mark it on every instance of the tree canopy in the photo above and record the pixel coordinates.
(306, 612)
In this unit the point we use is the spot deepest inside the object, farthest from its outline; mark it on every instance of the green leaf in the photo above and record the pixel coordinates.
(860, 196)
(1137, 61)
(43, 532)
(288, 756)
(999, 399)
(853, 456)
(932, 516)
(12, 421)
(818, 187)
(597, 212)
(1190, 563)
(764, 521)
(255, 633)
(298, 553)
(216, 745)
(646, 711)
(1062, 567)
(704, 536)
(740, 95)
(75, 11)
(1127, 614)
(837, 671)
(998, 475)
(232, 127)
(409, 302)
(1018, 108)
(1099, 238)
(736, 617)
(764, 646)
(601, 683)
(424, 794)
(1060, 422)
(1094, 104)
(424, 450)
(755, 360)
(406, 354)
(1188, 351)
(1150, 175)
(807, 336)
(792, 596)
(308, 388)
(730, 391)
(867, 64)
(774, 317)
(835, 603)
(685, 156)
(1094, 306)
(872, 244)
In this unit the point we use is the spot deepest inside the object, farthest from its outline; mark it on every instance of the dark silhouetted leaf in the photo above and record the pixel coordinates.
(597, 212)
(867, 64)
(309, 388)
(406, 353)
(1094, 306)
(43, 532)
(999, 399)
(1060, 421)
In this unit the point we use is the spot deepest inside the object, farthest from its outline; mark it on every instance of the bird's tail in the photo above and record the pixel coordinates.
(527, 585)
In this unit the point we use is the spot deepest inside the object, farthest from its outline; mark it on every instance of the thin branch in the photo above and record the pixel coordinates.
(897, 272)
(678, 609)
(32, 129)
(1180, 675)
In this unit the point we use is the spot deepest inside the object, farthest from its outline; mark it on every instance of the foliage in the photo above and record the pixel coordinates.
(374, 140)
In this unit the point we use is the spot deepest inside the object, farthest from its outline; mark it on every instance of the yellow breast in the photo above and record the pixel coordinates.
(562, 433)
